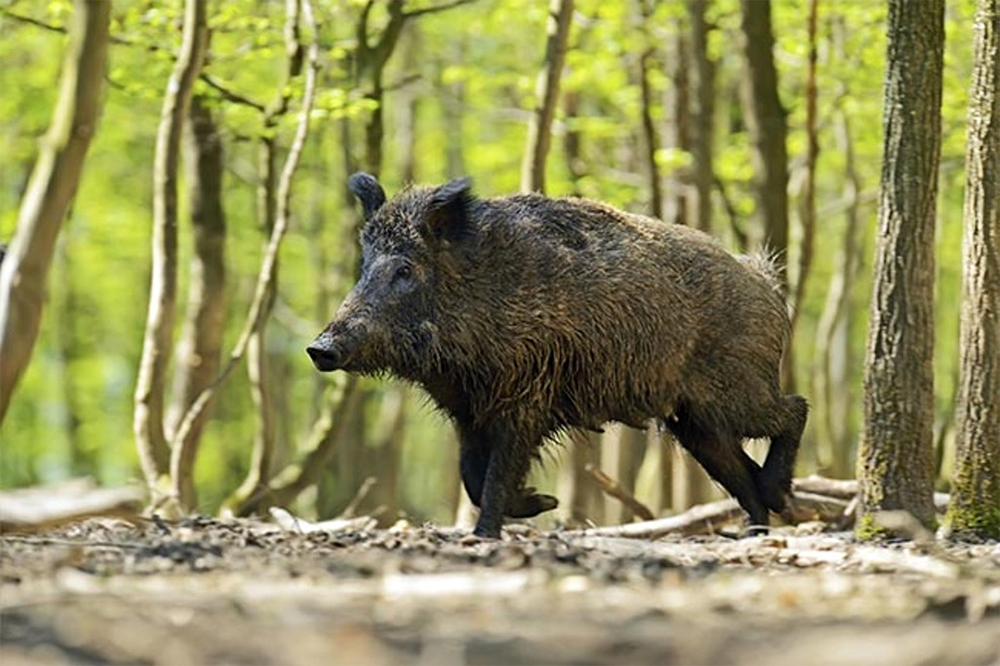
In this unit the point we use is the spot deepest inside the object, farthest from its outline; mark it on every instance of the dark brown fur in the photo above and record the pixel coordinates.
(525, 315)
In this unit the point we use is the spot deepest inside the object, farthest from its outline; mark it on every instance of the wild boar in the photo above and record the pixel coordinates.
(523, 316)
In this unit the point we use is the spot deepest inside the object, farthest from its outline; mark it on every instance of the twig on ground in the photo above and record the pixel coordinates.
(359, 497)
(702, 519)
(614, 489)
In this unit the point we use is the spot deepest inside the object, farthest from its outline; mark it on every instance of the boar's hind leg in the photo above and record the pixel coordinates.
(775, 479)
(723, 458)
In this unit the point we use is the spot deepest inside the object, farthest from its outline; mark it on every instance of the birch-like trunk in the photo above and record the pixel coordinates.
(51, 188)
(148, 416)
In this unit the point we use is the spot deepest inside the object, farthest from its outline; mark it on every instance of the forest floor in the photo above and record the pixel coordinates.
(203, 591)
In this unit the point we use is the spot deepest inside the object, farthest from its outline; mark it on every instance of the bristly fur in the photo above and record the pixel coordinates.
(523, 316)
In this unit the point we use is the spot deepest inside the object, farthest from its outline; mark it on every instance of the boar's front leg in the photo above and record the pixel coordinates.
(496, 448)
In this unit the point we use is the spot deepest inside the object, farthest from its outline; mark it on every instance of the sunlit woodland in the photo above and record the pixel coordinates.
(211, 234)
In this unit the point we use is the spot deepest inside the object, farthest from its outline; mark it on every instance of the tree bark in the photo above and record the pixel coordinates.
(148, 421)
(546, 94)
(975, 497)
(200, 347)
(702, 103)
(896, 457)
(832, 384)
(183, 452)
(651, 142)
(50, 190)
(808, 203)
(258, 366)
(765, 119)
(679, 128)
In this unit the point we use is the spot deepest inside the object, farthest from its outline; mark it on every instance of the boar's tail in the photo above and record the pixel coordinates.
(765, 263)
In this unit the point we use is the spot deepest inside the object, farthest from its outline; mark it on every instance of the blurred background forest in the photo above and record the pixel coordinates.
(422, 91)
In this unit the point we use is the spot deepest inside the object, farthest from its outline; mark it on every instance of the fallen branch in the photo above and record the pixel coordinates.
(359, 497)
(614, 489)
(290, 523)
(45, 507)
(848, 489)
(701, 519)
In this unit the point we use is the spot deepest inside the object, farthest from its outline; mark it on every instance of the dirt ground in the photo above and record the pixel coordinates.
(206, 591)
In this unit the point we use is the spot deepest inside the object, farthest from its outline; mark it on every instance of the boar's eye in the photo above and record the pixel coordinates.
(404, 272)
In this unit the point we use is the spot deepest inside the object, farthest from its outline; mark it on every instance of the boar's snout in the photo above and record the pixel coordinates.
(326, 355)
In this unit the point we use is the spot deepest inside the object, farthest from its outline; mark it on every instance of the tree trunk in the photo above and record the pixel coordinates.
(200, 347)
(832, 383)
(765, 119)
(547, 95)
(702, 104)
(581, 498)
(975, 497)
(679, 132)
(50, 190)
(148, 418)
(452, 96)
(896, 458)
(83, 455)
(807, 205)
(651, 143)
(183, 453)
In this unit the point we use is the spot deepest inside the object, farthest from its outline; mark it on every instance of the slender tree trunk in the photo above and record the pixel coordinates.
(258, 360)
(452, 95)
(148, 418)
(651, 143)
(765, 120)
(200, 347)
(183, 453)
(547, 95)
(83, 455)
(50, 190)
(895, 464)
(573, 142)
(679, 112)
(410, 107)
(702, 103)
(975, 498)
(832, 380)
(581, 498)
(808, 203)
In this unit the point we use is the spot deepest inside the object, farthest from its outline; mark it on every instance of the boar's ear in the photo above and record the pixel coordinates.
(368, 191)
(448, 211)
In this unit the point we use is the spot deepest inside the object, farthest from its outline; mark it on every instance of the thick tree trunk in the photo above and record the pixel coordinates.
(50, 190)
(547, 95)
(702, 104)
(975, 496)
(148, 418)
(896, 457)
(200, 346)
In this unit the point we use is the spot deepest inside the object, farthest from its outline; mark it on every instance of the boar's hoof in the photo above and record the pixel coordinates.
(530, 504)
